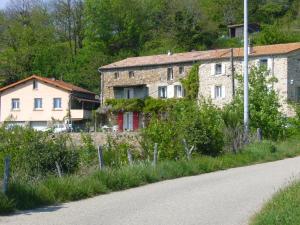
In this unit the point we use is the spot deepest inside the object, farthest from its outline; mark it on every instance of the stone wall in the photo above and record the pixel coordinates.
(100, 138)
(283, 67)
(152, 77)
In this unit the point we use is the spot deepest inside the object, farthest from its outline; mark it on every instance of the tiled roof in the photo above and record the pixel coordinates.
(58, 83)
(202, 56)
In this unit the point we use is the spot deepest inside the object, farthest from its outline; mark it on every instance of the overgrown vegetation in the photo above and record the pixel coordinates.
(283, 209)
(192, 137)
(24, 194)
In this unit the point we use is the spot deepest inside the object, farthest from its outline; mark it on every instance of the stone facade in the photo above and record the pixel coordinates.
(286, 68)
(151, 76)
(214, 77)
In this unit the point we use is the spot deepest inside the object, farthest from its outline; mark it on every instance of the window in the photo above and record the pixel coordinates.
(263, 63)
(181, 70)
(218, 91)
(170, 74)
(218, 68)
(128, 93)
(15, 104)
(131, 74)
(57, 103)
(38, 103)
(116, 75)
(178, 91)
(35, 84)
(162, 92)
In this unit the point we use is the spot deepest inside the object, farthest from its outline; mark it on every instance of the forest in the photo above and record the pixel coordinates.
(71, 39)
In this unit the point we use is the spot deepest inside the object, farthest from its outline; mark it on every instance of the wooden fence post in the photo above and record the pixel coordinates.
(188, 150)
(6, 174)
(259, 134)
(155, 153)
(58, 169)
(100, 158)
(129, 156)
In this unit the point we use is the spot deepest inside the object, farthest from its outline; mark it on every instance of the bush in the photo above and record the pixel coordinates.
(88, 151)
(34, 153)
(115, 152)
(6, 205)
(264, 106)
(201, 126)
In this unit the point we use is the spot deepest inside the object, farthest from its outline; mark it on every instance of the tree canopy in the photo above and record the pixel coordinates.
(70, 39)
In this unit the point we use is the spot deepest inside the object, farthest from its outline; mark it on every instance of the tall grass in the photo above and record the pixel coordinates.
(54, 190)
(283, 209)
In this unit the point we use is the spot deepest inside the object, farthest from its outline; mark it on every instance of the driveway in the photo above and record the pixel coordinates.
(228, 197)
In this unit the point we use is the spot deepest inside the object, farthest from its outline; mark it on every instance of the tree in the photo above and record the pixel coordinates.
(264, 106)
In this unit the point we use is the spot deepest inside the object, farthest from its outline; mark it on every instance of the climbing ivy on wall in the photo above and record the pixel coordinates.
(191, 83)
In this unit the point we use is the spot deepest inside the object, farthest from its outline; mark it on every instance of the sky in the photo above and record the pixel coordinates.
(2, 3)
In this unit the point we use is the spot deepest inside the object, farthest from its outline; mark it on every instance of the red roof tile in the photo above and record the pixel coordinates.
(201, 56)
(58, 83)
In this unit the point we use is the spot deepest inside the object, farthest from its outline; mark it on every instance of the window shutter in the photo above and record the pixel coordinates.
(170, 91)
(120, 121)
(223, 92)
(212, 92)
(213, 69)
(223, 68)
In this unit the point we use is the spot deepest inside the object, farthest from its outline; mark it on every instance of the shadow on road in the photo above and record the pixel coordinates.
(38, 210)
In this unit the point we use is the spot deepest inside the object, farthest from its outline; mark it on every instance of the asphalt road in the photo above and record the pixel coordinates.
(228, 197)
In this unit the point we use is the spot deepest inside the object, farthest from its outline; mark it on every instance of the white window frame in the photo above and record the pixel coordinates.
(163, 92)
(218, 65)
(218, 92)
(268, 65)
(170, 73)
(214, 69)
(38, 103)
(59, 103)
(178, 91)
(128, 93)
(15, 104)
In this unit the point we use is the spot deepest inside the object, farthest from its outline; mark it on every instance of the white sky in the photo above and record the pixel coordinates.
(3, 3)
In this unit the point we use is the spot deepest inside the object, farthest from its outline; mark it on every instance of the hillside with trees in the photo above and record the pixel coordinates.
(70, 39)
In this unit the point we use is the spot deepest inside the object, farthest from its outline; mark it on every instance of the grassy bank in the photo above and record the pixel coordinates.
(283, 209)
(53, 190)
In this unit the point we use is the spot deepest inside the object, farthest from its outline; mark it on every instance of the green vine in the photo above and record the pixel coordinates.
(148, 105)
(191, 83)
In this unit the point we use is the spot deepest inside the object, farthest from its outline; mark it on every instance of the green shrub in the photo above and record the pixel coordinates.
(115, 152)
(201, 126)
(6, 205)
(88, 151)
(264, 106)
(34, 153)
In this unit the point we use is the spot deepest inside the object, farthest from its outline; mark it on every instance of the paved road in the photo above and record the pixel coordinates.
(228, 197)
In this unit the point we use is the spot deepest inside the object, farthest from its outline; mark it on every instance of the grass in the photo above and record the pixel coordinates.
(283, 209)
(53, 190)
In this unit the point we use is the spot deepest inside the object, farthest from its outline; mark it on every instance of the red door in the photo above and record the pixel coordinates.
(135, 121)
(120, 121)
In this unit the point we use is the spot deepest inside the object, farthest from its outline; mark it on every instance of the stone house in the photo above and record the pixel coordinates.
(159, 76)
(39, 102)
(237, 30)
